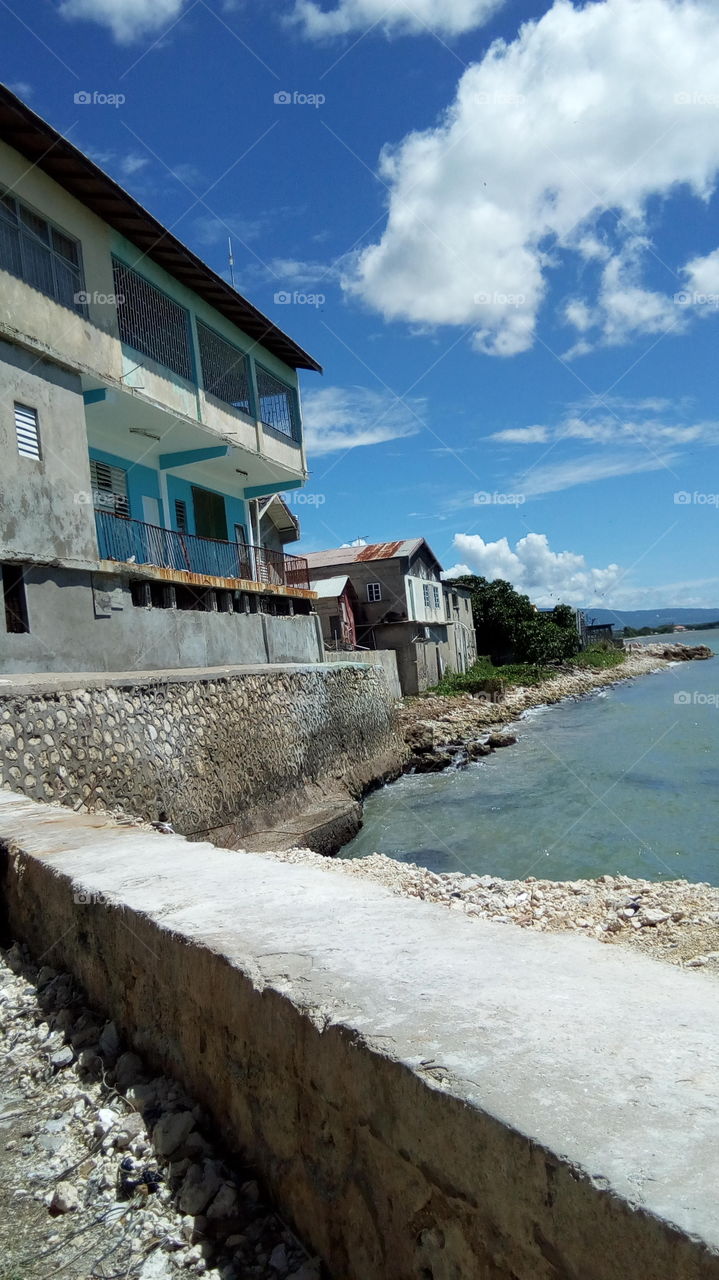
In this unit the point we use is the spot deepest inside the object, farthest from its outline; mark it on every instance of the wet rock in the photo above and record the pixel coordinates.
(496, 740)
(475, 750)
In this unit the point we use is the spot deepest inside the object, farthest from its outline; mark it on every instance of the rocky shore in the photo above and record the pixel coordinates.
(674, 921)
(107, 1170)
(441, 730)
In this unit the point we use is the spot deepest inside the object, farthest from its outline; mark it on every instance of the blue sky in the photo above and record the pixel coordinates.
(494, 222)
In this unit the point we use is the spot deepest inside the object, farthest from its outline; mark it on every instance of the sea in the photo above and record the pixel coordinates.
(624, 781)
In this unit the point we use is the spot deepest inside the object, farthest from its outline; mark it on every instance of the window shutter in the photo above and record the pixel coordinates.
(27, 431)
(109, 488)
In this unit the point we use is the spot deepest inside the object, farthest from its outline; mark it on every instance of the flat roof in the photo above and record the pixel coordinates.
(49, 151)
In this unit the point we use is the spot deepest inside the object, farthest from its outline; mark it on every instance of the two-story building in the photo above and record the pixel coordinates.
(400, 603)
(149, 417)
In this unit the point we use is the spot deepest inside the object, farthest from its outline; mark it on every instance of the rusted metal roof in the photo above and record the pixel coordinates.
(373, 551)
(48, 150)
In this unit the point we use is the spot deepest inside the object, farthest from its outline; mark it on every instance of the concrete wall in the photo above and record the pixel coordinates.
(82, 621)
(231, 751)
(41, 515)
(385, 659)
(427, 1096)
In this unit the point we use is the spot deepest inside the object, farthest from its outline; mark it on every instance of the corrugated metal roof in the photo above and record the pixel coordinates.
(373, 551)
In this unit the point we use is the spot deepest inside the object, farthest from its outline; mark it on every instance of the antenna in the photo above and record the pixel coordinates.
(231, 260)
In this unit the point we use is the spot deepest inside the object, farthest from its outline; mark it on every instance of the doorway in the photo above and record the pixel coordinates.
(210, 518)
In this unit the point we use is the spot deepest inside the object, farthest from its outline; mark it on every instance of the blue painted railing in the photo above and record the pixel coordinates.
(134, 542)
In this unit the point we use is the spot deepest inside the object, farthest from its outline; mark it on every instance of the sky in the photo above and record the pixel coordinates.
(493, 222)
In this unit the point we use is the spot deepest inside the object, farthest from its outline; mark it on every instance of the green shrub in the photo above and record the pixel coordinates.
(600, 655)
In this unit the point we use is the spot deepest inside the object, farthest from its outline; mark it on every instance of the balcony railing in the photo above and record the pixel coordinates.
(133, 541)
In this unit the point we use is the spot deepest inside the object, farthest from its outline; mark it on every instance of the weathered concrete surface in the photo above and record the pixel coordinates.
(225, 751)
(384, 658)
(430, 1098)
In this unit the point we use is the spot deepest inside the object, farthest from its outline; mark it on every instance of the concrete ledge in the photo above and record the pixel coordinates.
(430, 1098)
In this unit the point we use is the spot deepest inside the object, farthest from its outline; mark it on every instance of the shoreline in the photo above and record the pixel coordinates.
(437, 727)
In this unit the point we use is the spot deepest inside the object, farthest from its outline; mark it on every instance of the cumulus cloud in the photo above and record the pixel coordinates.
(126, 19)
(702, 278)
(547, 577)
(594, 107)
(393, 17)
(339, 418)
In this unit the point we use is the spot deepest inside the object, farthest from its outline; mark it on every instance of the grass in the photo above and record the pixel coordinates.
(484, 677)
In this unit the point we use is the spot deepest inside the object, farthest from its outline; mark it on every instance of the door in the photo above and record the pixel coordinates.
(151, 511)
(209, 509)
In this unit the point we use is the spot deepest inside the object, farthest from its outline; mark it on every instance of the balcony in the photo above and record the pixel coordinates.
(134, 542)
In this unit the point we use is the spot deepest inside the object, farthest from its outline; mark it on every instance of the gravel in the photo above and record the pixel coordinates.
(107, 1170)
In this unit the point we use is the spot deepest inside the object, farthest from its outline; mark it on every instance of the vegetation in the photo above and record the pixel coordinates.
(513, 629)
(598, 657)
(648, 631)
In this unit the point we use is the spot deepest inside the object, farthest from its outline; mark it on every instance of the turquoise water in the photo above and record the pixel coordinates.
(625, 781)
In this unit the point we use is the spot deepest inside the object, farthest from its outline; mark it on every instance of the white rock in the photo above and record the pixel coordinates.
(171, 1131)
(65, 1198)
(278, 1258)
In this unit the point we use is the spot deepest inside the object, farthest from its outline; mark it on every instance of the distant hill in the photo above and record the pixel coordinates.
(652, 617)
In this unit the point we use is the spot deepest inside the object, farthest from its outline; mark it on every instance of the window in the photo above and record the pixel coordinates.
(374, 592)
(40, 254)
(435, 593)
(27, 432)
(278, 404)
(14, 598)
(426, 596)
(109, 488)
(181, 515)
(224, 369)
(151, 322)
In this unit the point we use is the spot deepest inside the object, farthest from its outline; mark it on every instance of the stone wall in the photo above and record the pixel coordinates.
(224, 752)
(386, 659)
(427, 1097)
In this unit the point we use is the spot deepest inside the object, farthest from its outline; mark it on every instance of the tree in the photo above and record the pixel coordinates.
(509, 627)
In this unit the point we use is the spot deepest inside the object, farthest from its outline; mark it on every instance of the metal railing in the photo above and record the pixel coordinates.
(134, 542)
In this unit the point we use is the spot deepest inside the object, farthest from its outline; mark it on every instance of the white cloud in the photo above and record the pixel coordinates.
(393, 17)
(339, 418)
(131, 164)
(547, 577)
(126, 19)
(599, 426)
(553, 477)
(702, 276)
(597, 107)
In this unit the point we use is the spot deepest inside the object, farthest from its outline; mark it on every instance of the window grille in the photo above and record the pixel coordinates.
(426, 595)
(435, 591)
(14, 599)
(109, 488)
(151, 322)
(374, 592)
(40, 254)
(278, 404)
(181, 515)
(224, 369)
(27, 431)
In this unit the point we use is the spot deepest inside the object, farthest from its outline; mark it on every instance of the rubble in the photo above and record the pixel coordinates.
(107, 1170)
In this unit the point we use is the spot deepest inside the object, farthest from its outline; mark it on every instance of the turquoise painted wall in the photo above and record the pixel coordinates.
(142, 482)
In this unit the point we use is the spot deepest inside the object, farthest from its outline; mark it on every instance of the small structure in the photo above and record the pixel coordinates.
(401, 603)
(336, 606)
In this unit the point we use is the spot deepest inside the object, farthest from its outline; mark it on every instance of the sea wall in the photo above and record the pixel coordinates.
(427, 1097)
(386, 659)
(223, 752)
